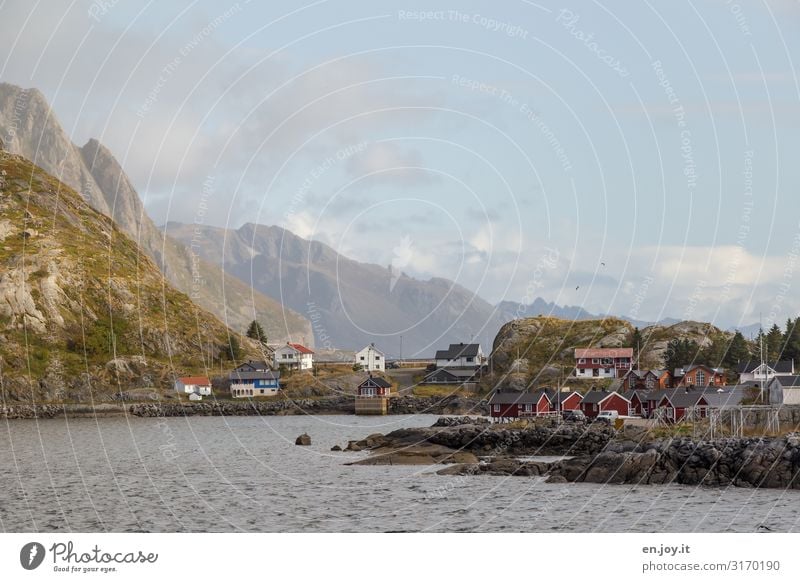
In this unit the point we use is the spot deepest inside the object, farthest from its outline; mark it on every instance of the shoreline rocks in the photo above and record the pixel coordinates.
(210, 407)
(594, 455)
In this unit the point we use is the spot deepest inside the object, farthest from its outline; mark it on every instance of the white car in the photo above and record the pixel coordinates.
(608, 416)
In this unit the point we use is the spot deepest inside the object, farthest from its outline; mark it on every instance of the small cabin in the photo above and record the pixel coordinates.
(596, 401)
(374, 386)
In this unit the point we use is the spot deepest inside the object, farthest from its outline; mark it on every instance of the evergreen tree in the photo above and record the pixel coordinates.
(774, 344)
(636, 342)
(256, 332)
(680, 352)
(791, 349)
(738, 351)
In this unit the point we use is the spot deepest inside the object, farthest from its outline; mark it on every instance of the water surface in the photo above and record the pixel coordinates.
(246, 474)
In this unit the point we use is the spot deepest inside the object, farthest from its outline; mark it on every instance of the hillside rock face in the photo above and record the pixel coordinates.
(350, 303)
(82, 311)
(541, 347)
(29, 128)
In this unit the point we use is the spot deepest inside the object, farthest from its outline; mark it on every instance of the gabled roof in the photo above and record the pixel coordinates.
(372, 347)
(682, 398)
(516, 397)
(727, 396)
(257, 365)
(603, 352)
(377, 381)
(456, 351)
(561, 396)
(301, 348)
(196, 380)
(597, 396)
(686, 369)
(780, 367)
(458, 373)
(787, 381)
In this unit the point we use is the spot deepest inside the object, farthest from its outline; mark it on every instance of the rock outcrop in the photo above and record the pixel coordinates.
(29, 128)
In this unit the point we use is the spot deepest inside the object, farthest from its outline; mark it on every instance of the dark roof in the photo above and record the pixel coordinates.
(727, 396)
(682, 398)
(456, 351)
(516, 397)
(260, 375)
(596, 396)
(254, 365)
(458, 373)
(781, 367)
(787, 381)
(378, 381)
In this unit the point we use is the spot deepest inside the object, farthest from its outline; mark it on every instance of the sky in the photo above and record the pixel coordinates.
(638, 159)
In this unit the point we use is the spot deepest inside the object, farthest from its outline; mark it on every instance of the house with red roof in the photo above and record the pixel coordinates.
(603, 362)
(197, 385)
(293, 357)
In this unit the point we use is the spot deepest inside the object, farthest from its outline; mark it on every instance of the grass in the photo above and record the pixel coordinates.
(438, 390)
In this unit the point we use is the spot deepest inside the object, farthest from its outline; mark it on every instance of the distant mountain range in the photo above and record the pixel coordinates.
(298, 289)
(349, 303)
(29, 128)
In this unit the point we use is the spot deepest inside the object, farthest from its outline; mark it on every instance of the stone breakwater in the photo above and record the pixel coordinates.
(277, 406)
(741, 462)
(592, 455)
(494, 441)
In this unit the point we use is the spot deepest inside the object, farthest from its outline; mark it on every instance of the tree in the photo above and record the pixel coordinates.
(636, 342)
(791, 350)
(256, 332)
(679, 353)
(738, 351)
(233, 350)
(774, 344)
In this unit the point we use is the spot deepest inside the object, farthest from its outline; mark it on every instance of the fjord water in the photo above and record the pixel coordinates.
(246, 474)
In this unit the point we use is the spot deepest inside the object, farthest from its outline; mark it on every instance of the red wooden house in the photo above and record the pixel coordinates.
(511, 404)
(596, 401)
(565, 401)
(646, 380)
(639, 402)
(699, 375)
(676, 403)
(373, 387)
(603, 362)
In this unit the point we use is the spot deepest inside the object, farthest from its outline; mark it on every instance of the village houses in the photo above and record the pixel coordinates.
(603, 362)
(293, 357)
(371, 359)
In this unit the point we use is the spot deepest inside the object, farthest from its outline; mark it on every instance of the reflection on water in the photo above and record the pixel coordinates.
(246, 474)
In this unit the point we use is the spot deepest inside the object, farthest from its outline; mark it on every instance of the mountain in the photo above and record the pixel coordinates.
(29, 128)
(349, 303)
(83, 313)
(510, 310)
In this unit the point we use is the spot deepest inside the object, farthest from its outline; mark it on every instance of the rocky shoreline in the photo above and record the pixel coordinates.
(590, 455)
(282, 406)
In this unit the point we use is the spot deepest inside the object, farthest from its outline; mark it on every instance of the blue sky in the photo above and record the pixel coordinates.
(643, 153)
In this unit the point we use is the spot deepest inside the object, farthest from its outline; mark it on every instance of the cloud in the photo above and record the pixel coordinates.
(390, 162)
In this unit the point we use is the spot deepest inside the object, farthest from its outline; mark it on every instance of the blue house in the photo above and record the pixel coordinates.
(254, 379)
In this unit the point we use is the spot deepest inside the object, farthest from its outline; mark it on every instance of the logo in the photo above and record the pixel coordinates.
(31, 555)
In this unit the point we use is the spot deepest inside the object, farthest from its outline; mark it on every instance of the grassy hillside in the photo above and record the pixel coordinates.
(83, 312)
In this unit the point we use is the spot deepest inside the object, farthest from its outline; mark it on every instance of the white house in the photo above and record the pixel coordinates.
(193, 385)
(460, 356)
(757, 372)
(784, 390)
(371, 359)
(293, 356)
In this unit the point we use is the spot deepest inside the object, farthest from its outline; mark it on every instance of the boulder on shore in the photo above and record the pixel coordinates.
(303, 440)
